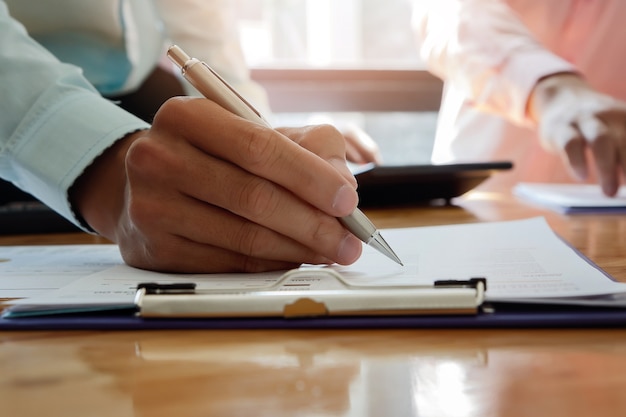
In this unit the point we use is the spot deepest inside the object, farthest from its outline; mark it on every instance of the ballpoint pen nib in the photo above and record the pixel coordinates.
(378, 243)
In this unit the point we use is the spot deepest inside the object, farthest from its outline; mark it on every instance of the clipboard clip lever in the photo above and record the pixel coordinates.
(464, 283)
(154, 288)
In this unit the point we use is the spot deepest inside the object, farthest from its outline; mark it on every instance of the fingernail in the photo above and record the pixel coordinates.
(345, 200)
(349, 250)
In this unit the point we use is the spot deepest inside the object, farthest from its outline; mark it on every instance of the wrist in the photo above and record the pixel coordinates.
(547, 89)
(98, 194)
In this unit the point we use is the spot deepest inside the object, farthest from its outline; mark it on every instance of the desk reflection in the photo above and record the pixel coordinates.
(303, 373)
(233, 373)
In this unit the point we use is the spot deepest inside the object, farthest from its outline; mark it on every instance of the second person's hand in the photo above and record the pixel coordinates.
(573, 118)
(360, 147)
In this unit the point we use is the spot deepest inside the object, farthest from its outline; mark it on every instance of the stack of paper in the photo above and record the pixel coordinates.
(572, 198)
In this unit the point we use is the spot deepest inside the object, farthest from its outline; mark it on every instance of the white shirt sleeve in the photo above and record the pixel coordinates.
(485, 52)
(53, 123)
(207, 30)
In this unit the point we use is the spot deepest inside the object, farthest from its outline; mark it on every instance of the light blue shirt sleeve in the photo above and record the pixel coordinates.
(53, 123)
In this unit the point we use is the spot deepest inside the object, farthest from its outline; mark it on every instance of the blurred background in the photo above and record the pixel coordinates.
(344, 61)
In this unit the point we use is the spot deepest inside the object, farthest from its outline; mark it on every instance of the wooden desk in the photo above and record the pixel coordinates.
(459, 373)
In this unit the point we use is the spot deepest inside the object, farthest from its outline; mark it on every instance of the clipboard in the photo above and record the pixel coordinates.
(285, 299)
(604, 306)
(290, 297)
(448, 304)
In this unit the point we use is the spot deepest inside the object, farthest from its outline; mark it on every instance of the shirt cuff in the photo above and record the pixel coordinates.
(59, 141)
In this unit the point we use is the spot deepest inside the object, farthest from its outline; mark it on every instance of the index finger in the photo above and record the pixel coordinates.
(601, 142)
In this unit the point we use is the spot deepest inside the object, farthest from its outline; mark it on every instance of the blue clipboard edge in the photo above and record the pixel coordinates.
(505, 316)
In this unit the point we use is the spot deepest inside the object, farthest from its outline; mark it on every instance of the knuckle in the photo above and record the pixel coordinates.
(171, 110)
(322, 228)
(149, 158)
(257, 199)
(258, 147)
(248, 240)
(139, 154)
(142, 156)
(324, 131)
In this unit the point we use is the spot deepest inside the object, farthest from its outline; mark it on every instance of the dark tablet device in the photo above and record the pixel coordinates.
(383, 186)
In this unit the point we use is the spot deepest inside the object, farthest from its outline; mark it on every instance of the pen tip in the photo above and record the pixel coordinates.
(383, 247)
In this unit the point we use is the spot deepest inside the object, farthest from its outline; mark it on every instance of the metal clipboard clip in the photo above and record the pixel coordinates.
(285, 298)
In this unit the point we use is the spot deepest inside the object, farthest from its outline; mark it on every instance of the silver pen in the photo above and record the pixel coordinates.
(213, 87)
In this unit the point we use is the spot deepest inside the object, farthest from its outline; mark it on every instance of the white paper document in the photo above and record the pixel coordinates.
(520, 259)
(29, 271)
(572, 198)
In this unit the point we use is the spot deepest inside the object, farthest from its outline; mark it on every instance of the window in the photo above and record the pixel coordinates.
(328, 33)
(344, 61)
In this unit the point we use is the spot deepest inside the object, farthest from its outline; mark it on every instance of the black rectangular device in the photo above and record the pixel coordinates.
(393, 185)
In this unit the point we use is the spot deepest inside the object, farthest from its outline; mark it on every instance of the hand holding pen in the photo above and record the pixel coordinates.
(203, 190)
(213, 87)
